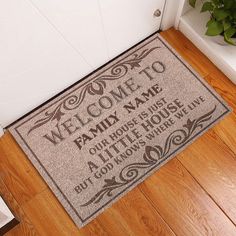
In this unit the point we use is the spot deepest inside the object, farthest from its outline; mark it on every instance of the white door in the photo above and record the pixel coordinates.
(47, 45)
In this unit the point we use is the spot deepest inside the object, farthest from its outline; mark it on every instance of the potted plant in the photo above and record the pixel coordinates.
(222, 18)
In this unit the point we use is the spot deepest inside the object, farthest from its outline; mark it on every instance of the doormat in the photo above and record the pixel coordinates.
(106, 134)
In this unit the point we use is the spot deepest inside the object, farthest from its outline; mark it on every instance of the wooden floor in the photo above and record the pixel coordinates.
(193, 194)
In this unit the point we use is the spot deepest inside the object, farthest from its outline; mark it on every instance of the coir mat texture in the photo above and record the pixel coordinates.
(106, 134)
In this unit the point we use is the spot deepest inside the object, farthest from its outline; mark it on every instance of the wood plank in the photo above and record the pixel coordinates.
(132, 215)
(184, 205)
(48, 216)
(214, 169)
(25, 227)
(223, 86)
(137, 216)
(226, 130)
(95, 228)
(18, 174)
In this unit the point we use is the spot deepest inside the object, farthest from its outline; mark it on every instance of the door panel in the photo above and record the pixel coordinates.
(36, 62)
(80, 23)
(47, 45)
(128, 22)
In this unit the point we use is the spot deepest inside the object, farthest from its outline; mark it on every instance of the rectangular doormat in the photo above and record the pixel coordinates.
(106, 134)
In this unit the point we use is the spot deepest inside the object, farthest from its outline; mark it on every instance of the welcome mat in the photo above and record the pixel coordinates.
(100, 138)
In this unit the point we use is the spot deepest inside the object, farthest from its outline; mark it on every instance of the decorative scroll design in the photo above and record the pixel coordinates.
(95, 87)
(151, 157)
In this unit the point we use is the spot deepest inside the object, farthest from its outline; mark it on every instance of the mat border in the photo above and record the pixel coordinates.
(83, 220)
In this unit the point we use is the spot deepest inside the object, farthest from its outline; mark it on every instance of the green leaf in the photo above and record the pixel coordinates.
(230, 41)
(226, 25)
(216, 2)
(228, 4)
(210, 22)
(214, 28)
(192, 3)
(228, 35)
(220, 14)
(207, 6)
(231, 14)
(229, 32)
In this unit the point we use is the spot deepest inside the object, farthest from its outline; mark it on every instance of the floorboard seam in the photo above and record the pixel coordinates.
(208, 194)
(231, 151)
(155, 209)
